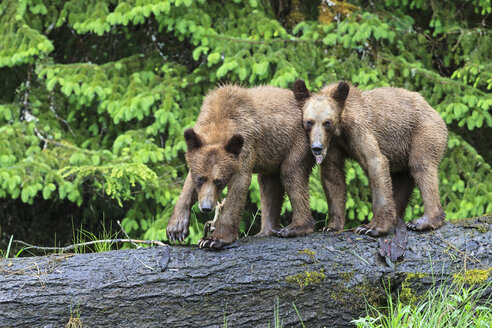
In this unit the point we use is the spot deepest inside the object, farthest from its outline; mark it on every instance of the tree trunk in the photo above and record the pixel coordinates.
(328, 277)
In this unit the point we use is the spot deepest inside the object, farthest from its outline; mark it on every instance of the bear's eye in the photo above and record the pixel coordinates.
(309, 124)
(219, 183)
(327, 124)
(200, 180)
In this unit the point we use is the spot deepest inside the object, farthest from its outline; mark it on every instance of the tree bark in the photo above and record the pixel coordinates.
(328, 277)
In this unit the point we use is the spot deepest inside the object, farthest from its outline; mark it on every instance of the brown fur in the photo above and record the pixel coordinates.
(397, 138)
(239, 132)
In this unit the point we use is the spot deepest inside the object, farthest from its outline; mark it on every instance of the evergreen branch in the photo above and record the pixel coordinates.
(126, 60)
(430, 74)
(70, 147)
(236, 39)
(52, 108)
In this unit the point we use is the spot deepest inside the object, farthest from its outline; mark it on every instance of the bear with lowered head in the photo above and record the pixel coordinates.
(239, 132)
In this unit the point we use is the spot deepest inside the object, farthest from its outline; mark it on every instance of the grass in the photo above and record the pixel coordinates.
(278, 322)
(449, 305)
(74, 320)
(302, 323)
(254, 216)
(446, 306)
(6, 253)
(81, 236)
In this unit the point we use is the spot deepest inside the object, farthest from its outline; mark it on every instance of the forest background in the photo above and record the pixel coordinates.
(95, 96)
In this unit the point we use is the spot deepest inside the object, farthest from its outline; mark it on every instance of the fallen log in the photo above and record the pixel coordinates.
(328, 278)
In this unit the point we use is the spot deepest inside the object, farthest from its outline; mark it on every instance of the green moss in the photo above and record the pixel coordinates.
(482, 228)
(347, 276)
(306, 278)
(481, 225)
(473, 277)
(355, 297)
(414, 276)
(407, 295)
(307, 251)
(310, 253)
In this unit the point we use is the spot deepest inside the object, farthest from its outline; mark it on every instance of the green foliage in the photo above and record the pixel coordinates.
(450, 305)
(96, 94)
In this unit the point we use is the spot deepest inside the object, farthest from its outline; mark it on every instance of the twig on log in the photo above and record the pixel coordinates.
(145, 265)
(209, 226)
(457, 250)
(71, 247)
(126, 235)
(34, 270)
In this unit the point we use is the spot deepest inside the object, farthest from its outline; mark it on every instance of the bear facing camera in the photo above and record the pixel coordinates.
(394, 134)
(239, 132)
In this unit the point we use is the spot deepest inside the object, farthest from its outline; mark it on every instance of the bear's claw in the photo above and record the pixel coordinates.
(177, 231)
(411, 226)
(330, 229)
(177, 236)
(365, 230)
(211, 243)
(424, 223)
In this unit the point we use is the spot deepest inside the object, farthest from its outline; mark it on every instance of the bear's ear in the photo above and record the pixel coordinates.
(300, 90)
(235, 144)
(192, 139)
(341, 92)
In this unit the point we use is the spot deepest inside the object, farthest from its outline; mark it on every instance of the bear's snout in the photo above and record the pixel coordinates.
(206, 207)
(317, 149)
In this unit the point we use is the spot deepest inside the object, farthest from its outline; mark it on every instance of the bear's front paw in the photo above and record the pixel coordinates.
(369, 230)
(213, 243)
(292, 231)
(177, 231)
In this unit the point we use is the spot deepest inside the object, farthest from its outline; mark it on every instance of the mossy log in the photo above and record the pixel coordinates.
(328, 278)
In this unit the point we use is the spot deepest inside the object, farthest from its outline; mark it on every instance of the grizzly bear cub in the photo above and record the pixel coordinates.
(394, 134)
(239, 132)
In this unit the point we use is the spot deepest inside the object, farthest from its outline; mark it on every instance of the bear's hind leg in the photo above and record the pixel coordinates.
(383, 206)
(403, 185)
(427, 151)
(426, 177)
(272, 198)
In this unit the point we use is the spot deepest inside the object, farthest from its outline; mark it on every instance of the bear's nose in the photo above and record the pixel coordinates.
(316, 149)
(206, 208)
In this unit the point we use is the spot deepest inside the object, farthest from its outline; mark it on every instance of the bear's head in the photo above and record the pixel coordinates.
(321, 114)
(211, 166)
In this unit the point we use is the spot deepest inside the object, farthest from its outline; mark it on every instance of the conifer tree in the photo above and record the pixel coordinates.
(95, 95)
